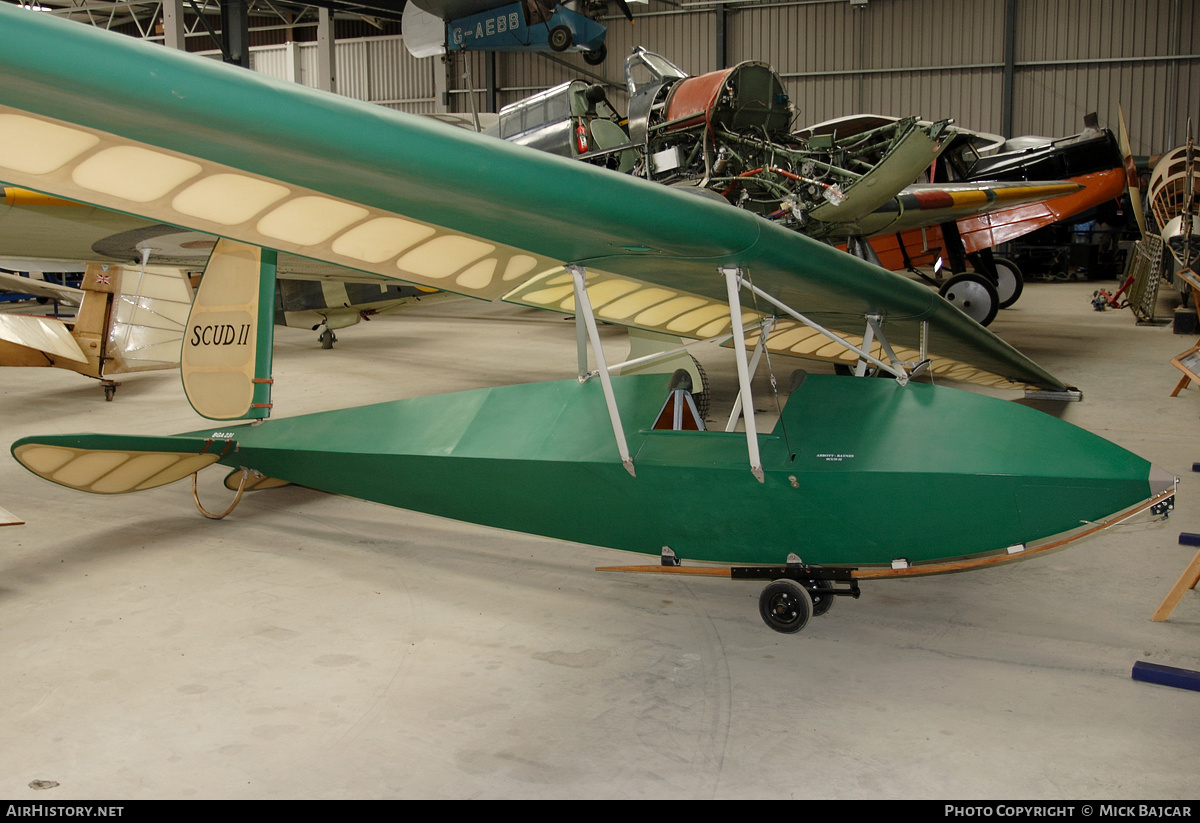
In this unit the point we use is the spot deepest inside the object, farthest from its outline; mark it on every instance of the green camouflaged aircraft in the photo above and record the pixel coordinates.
(274, 167)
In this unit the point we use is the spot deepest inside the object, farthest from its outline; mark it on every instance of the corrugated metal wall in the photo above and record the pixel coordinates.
(934, 58)
(928, 57)
(375, 69)
(1075, 56)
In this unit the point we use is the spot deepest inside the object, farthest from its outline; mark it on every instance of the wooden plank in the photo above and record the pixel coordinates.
(997, 559)
(1187, 362)
(929, 568)
(1186, 582)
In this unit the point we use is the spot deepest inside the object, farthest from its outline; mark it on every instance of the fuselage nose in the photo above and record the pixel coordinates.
(1161, 481)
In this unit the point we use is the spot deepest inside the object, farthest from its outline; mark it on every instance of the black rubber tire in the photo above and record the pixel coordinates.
(785, 606)
(973, 295)
(595, 58)
(1009, 282)
(560, 38)
(822, 595)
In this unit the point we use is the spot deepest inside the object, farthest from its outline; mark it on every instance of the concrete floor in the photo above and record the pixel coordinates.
(311, 646)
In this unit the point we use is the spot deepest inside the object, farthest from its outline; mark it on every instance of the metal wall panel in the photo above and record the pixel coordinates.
(815, 59)
(373, 69)
(795, 39)
(687, 39)
(1079, 56)
(380, 70)
(268, 60)
(1074, 57)
(351, 70)
(889, 57)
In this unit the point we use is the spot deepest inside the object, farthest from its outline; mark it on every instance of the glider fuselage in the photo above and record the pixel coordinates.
(857, 471)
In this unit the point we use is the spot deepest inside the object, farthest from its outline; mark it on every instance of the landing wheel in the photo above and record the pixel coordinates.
(974, 296)
(327, 338)
(1009, 282)
(595, 58)
(822, 596)
(785, 606)
(109, 392)
(560, 38)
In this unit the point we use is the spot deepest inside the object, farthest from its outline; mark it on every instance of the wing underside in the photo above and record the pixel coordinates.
(196, 144)
(922, 205)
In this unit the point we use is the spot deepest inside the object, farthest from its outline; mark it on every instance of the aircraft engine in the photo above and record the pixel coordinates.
(729, 132)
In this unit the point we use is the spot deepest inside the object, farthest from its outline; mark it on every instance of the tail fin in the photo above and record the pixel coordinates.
(226, 358)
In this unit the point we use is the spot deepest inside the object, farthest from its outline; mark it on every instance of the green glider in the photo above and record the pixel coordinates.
(816, 505)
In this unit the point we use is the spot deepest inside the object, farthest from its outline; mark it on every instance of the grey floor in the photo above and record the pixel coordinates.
(311, 646)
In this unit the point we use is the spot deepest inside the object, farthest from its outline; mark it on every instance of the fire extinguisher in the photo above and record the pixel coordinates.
(581, 141)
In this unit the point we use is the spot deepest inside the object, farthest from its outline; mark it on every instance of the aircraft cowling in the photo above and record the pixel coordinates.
(748, 95)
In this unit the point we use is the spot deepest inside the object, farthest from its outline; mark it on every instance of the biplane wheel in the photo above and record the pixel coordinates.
(785, 606)
(595, 58)
(1009, 282)
(974, 296)
(560, 38)
(822, 596)
(109, 391)
(327, 338)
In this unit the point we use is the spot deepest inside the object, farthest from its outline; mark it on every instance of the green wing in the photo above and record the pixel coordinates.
(144, 130)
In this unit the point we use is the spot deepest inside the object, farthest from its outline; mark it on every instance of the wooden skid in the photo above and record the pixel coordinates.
(921, 570)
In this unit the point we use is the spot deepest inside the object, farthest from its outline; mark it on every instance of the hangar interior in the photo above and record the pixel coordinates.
(315, 646)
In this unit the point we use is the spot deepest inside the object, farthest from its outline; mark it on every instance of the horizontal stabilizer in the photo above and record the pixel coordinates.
(42, 334)
(108, 470)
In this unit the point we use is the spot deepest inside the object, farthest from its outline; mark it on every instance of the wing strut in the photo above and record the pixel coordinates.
(583, 313)
(895, 370)
(874, 332)
(733, 280)
(860, 370)
(765, 331)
